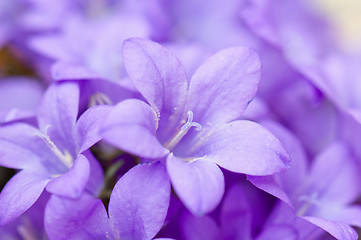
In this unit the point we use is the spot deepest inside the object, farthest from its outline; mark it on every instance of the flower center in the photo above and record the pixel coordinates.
(65, 157)
(183, 131)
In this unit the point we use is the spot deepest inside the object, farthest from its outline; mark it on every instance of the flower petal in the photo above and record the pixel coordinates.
(296, 175)
(72, 183)
(52, 46)
(83, 218)
(131, 126)
(69, 70)
(199, 184)
(194, 227)
(245, 147)
(19, 194)
(341, 175)
(283, 217)
(236, 214)
(222, 87)
(88, 126)
(96, 176)
(59, 109)
(283, 185)
(350, 215)
(19, 98)
(285, 232)
(156, 73)
(139, 202)
(19, 146)
(271, 185)
(339, 230)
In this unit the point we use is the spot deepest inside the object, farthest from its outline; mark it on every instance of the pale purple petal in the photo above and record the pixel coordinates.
(270, 185)
(245, 147)
(96, 176)
(72, 183)
(356, 114)
(139, 202)
(19, 194)
(110, 93)
(341, 231)
(284, 218)
(194, 227)
(284, 232)
(83, 218)
(236, 214)
(51, 46)
(341, 175)
(58, 113)
(284, 184)
(63, 70)
(156, 73)
(222, 87)
(131, 126)
(296, 174)
(350, 215)
(199, 183)
(19, 98)
(29, 224)
(19, 146)
(88, 126)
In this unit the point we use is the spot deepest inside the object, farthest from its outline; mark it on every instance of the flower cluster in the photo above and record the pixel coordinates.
(181, 119)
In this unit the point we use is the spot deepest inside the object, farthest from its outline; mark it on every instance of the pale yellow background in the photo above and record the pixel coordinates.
(345, 16)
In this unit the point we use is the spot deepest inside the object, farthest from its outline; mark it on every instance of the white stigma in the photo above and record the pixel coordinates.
(183, 131)
(65, 157)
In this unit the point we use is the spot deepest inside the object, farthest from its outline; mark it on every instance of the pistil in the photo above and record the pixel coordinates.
(183, 131)
(309, 201)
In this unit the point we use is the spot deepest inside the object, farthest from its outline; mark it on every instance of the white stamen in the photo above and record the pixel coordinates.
(65, 157)
(26, 230)
(99, 99)
(183, 131)
(308, 202)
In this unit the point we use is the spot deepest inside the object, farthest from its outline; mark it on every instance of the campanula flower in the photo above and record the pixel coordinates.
(190, 123)
(54, 156)
(321, 193)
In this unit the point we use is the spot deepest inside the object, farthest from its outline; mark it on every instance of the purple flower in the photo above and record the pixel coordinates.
(283, 224)
(209, 22)
(89, 48)
(322, 193)
(54, 157)
(190, 124)
(135, 210)
(90, 35)
(28, 226)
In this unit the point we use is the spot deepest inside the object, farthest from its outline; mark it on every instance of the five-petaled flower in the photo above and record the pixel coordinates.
(55, 157)
(192, 126)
